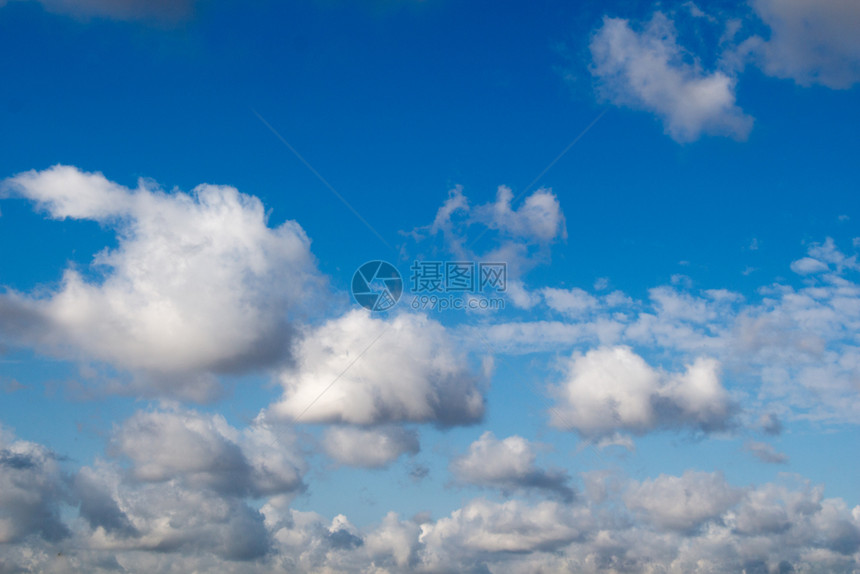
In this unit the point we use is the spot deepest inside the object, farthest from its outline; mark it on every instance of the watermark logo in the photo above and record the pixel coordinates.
(434, 285)
(377, 285)
(458, 277)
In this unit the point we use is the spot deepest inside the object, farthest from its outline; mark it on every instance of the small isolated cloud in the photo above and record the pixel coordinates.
(538, 219)
(509, 464)
(613, 389)
(571, 302)
(811, 42)
(198, 283)
(824, 257)
(648, 70)
(520, 235)
(770, 424)
(765, 452)
(162, 11)
(362, 370)
(369, 447)
(808, 266)
(682, 502)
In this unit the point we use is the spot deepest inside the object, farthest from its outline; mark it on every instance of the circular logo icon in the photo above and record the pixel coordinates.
(377, 285)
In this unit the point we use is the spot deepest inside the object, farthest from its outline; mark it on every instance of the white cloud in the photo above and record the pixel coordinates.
(808, 265)
(369, 448)
(682, 502)
(765, 452)
(197, 283)
(648, 70)
(572, 302)
(509, 464)
(538, 219)
(205, 452)
(688, 523)
(793, 345)
(362, 370)
(811, 42)
(518, 294)
(394, 538)
(770, 424)
(164, 11)
(511, 526)
(612, 389)
(176, 518)
(32, 488)
(520, 236)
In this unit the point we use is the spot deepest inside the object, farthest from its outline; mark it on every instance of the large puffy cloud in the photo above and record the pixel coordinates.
(811, 42)
(198, 282)
(611, 389)
(647, 70)
(363, 370)
(369, 447)
(509, 464)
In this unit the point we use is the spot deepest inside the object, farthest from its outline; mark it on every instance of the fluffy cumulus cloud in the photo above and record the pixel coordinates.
(648, 70)
(682, 502)
(363, 370)
(197, 283)
(644, 67)
(811, 42)
(509, 465)
(369, 447)
(207, 453)
(513, 526)
(611, 389)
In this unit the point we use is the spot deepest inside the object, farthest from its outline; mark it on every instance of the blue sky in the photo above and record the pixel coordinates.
(672, 382)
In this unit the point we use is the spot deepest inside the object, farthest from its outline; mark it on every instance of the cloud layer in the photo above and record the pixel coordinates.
(169, 515)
